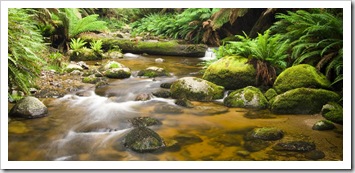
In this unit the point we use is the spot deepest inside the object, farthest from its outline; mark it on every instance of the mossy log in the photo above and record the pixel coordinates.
(171, 48)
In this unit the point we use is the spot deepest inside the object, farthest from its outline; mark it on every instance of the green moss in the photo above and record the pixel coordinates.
(85, 55)
(114, 65)
(90, 79)
(299, 76)
(248, 97)
(302, 101)
(117, 73)
(333, 112)
(232, 72)
(270, 93)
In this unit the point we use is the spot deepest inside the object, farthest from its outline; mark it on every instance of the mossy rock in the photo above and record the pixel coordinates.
(71, 67)
(296, 146)
(248, 97)
(231, 72)
(90, 79)
(300, 76)
(152, 72)
(143, 139)
(323, 125)
(264, 133)
(118, 73)
(144, 121)
(270, 94)
(171, 48)
(110, 65)
(333, 112)
(85, 54)
(302, 101)
(196, 89)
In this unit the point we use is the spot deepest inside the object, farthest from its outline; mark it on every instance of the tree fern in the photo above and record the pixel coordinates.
(25, 44)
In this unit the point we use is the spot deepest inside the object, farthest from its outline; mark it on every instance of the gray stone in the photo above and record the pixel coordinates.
(299, 146)
(143, 139)
(29, 107)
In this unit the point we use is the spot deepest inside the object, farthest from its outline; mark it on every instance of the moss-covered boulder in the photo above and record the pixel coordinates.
(29, 107)
(71, 67)
(270, 94)
(333, 112)
(196, 89)
(144, 121)
(110, 65)
(171, 48)
(232, 72)
(84, 54)
(118, 73)
(248, 97)
(143, 139)
(153, 72)
(300, 76)
(323, 125)
(302, 101)
(264, 133)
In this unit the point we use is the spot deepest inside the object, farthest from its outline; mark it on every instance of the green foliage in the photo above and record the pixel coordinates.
(96, 46)
(77, 44)
(56, 61)
(25, 43)
(316, 38)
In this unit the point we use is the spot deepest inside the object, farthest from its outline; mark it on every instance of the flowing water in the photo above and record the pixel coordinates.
(91, 126)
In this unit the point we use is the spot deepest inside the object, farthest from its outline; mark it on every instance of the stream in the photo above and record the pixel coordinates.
(90, 124)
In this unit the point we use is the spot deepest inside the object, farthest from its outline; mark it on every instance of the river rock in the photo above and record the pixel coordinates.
(162, 93)
(299, 146)
(71, 67)
(302, 101)
(333, 112)
(144, 121)
(29, 107)
(264, 133)
(248, 97)
(184, 103)
(130, 55)
(166, 85)
(118, 73)
(323, 125)
(82, 64)
(110, 65)
(167, 109)
(153, 72)
(114, 55)
(315, 155)
(196, 89)
(209, 110)
(300, 76)
(142, 97)
(143, 139)
(159, 60)
(259, 114)
(90, 79)
(187, 139)
(231, 72)
(270, 94)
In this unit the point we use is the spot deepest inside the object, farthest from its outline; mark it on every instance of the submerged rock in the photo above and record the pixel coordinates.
(167, 109)
(153, 72)
(264, 133)
(256, 145)
(184, 103)
(248, 97)
(143, 139)
(142, 97)
(29, 107)
(209, 110)
(333, 112)
(302, 101)
(300, 76)
(315, 155)
(144, 121)
(299, 146)
(187, 139)
(196, 89)
(231, 72)
(162, 94)
(261, 114)
(323, 125)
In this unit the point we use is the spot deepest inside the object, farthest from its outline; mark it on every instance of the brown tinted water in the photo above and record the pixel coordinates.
(91, 127)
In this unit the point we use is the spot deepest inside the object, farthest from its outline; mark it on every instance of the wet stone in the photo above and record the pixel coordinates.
(264, 133)
(166, 85)
(315, 155)
(323, 125)
(162, 94)
(184, 103)
(144, 121)
(209, 110)
(299, 146)
(243, 153)
(143, 139)
(142, 97)
(167, 109)
(256, 145)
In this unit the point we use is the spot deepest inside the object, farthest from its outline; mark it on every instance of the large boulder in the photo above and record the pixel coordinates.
(143, 139)
(302, 101)
(300, 76)
(232, 72)
(29, 107)
(196, 89)
(248, 97)
(333, 112)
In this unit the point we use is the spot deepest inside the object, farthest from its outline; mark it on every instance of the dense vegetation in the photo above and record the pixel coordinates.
(40, 38)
